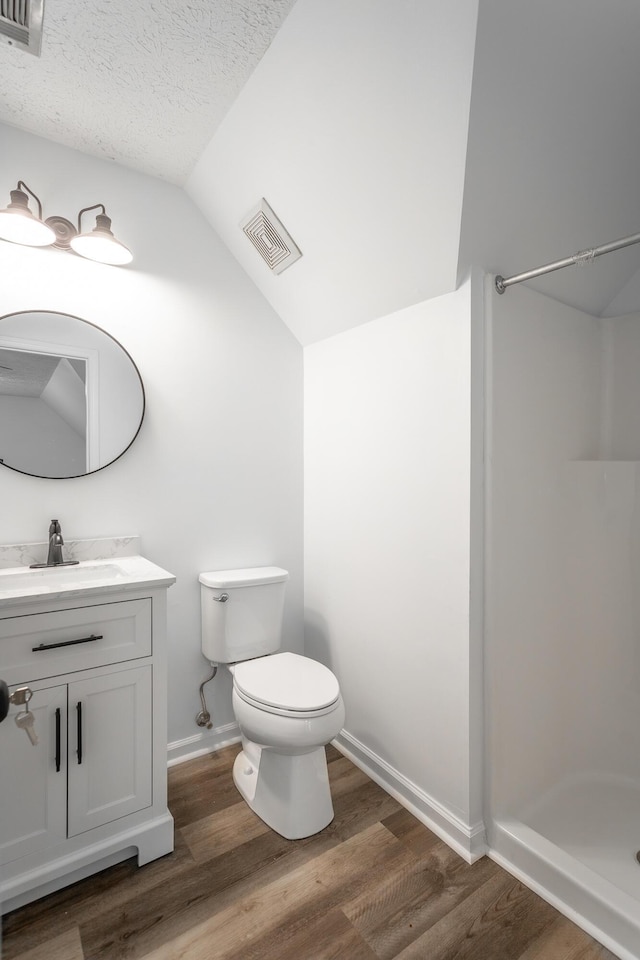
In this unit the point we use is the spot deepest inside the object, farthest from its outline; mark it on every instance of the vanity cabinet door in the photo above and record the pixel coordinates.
(110, 748)
(33, 792)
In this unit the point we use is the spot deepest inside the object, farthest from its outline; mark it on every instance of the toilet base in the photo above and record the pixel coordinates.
(289, 792)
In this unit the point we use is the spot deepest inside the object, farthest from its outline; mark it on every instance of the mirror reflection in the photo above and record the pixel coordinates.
(71, 397)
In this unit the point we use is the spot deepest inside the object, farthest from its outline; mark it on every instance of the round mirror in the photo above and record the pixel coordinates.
(71, 397)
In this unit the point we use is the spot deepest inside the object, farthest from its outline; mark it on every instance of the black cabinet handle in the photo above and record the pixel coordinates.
(4, 700)
(65, 643)
(58, 728)
(79, 727)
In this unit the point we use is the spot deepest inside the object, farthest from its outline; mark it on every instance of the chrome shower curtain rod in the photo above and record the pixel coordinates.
(584, 256)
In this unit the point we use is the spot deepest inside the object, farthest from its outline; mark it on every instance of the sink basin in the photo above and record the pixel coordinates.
(53, 578)
(88, 576)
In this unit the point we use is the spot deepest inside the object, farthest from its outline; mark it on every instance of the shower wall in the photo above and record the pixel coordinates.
(544, 404)
(603, 568)
(562, 631)
(621, 440)
(563, 563)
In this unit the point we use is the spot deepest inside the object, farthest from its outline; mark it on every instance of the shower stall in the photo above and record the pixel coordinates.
(563, 608)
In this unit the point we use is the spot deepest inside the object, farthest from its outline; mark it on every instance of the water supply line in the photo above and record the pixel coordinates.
(578, 259)
(203, 719)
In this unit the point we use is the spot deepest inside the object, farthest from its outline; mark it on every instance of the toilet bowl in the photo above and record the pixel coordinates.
(288, 707)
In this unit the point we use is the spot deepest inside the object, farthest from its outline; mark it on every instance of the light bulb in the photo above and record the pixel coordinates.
(18, 224)
(101, 245)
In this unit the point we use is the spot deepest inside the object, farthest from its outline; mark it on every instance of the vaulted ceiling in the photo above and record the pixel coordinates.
(398, 142)
(554, 144)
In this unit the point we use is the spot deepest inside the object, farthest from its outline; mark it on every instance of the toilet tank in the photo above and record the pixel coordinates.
(249, 622)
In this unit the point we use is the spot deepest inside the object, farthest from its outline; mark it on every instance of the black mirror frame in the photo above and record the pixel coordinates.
(88, 473)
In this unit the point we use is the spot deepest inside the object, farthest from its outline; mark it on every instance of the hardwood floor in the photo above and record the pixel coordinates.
(374, 885)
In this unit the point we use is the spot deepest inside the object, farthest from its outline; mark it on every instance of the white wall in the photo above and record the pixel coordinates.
(387, 545)
(214, 478)
(353, 126)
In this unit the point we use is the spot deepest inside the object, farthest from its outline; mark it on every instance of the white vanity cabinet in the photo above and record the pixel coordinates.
(93, 790)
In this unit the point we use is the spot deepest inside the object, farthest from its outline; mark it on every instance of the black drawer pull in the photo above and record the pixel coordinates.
(58, 730)
(65, 643)
(79, 729)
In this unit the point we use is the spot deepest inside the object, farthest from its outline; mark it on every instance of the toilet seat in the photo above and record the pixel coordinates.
(287, 684)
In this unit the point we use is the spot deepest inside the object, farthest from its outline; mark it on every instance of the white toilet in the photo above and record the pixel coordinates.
(287, 706)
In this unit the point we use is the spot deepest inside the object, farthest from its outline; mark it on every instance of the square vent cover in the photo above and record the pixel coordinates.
(269, 237)
(21, 24)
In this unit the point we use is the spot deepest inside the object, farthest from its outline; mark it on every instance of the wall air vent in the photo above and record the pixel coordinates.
(270, 238)
(21, 24)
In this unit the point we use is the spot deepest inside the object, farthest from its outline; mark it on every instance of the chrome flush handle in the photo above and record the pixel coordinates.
(222, 598)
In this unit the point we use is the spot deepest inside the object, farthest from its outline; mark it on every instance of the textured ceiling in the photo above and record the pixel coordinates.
(144, 83)
(25, 374)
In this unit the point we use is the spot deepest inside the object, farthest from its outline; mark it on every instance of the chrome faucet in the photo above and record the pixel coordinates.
(54, 556)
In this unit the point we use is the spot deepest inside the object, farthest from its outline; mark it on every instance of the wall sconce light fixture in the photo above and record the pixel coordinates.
(19, 225)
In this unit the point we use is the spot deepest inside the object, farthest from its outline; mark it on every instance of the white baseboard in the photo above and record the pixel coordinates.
(468, 840)
(207, 741)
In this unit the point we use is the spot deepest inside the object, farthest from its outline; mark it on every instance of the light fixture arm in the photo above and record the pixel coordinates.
(22, 185)
(87, 209)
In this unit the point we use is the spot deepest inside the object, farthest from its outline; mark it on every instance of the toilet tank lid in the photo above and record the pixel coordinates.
(245, 577)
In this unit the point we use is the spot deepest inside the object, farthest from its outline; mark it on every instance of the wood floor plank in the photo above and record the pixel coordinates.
(595, 951)
(234, 874)
(239, 930)
(517, 918)
(497, 920)
(169, 910)
(83, 902)
(563, 940)
(405, 827)
(344, 776)
(326, 937)
(129, 933)
(332, 753)
(392, 915)
(202, 786)
(214, 835)
(330, 893)
(67, 946)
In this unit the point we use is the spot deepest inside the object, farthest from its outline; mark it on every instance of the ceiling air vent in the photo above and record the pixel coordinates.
(21, 24)
(270, 238)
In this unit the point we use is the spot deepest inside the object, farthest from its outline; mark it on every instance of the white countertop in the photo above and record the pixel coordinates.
(89, 577)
